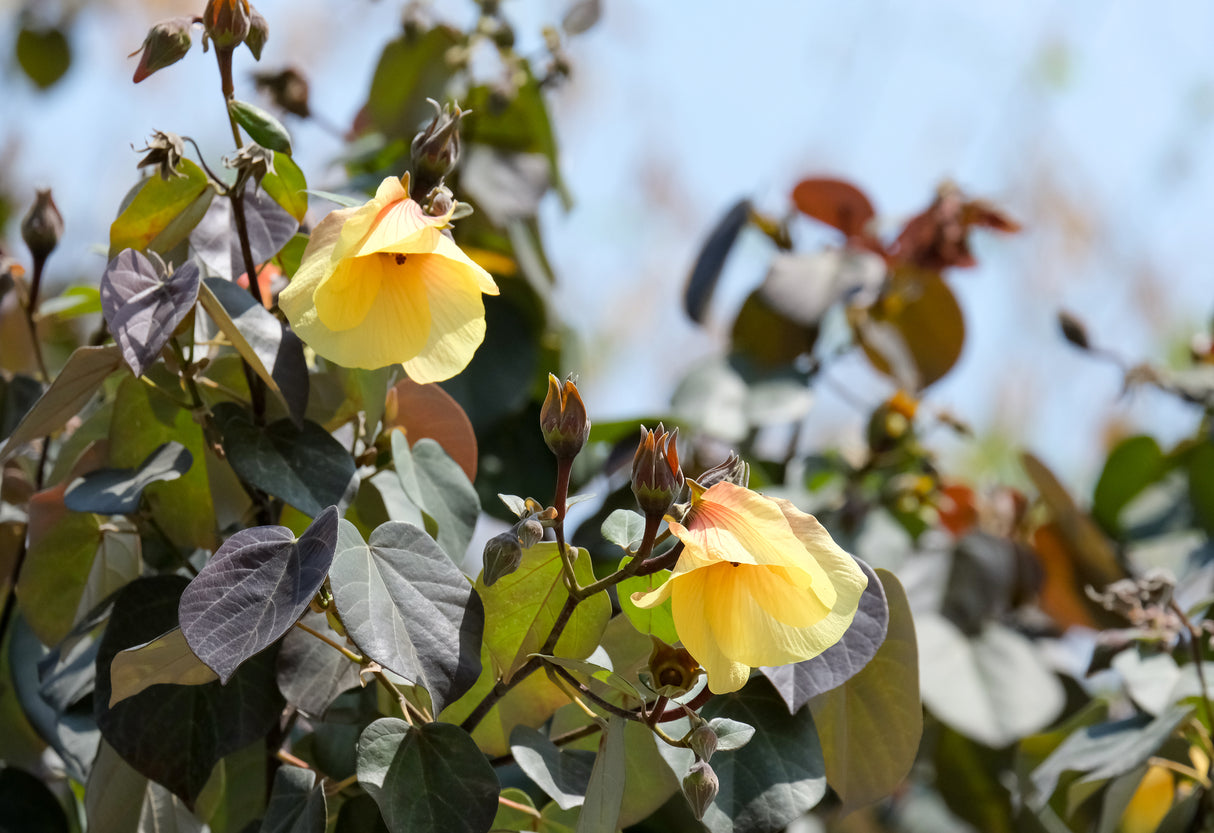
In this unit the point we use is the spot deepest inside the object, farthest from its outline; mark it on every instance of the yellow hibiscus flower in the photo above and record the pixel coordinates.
(381, 284)
(759, 582)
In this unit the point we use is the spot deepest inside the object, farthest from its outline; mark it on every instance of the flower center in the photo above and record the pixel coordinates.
(400, 259)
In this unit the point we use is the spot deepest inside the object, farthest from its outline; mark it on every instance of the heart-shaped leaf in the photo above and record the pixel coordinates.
(438, 486)
(605, 792)
(305, 467)
(166, 659)
(392, 753)
(562, 773)
(118, 491)
(798, 682)
(216, 240)
(253, 589)
(163, 212)
(142, 307)
(409, 608)
(297, 804)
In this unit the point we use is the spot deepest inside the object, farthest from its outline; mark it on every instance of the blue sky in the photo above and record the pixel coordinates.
(1088, 121)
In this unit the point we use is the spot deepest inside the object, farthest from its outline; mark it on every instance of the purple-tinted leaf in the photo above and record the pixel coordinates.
(143, 308)
(217, 244)
(297, 804)
(711, 260)
(310, 673)
(268, 345)
(836, 665)
(253, 589)
(176, 734)
(305, 467)
(118, 491)
(409, 608)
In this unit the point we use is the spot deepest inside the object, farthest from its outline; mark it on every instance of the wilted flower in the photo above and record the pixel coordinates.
(381, 284)
(563, 419)
(759, 583)
(164, 151)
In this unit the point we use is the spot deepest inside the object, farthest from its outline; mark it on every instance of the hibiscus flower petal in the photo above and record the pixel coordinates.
(403, 227)
(344, 298)
(698, 631)
(362, 219)
(457, 316)
(317, 264)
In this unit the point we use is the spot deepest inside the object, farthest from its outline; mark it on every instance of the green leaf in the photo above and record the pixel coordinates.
(297, 804)
(994, 687)
(306, 467)
(658, 621)
(261, 126)
(1131, 467)
(731, 734)
(561, 773)
(163, 212)
(870, 726)
(411, 69)
(511, 818)
(1201, 484)
(55, 573)
(915, 332)
(409, 608)
(439, 487)
(26, 803)
(114, 794)
(165, 659)
(144, 419)
(44, 55)
(344, 200)
(148, 729)
(624, 528)
(461, 788)
(521, 608)
(605, 792)
(775, 778)
(287, 186)
(72, 303)
(75, 385)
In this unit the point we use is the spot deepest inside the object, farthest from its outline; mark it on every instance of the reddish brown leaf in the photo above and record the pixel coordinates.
(938, 238)
(957, 509)
(429, 411)
(836, 203)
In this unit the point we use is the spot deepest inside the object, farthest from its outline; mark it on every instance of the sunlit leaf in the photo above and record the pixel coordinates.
(118, 491)
(914, 333)
(659, 620)
(147, 729)
(439, 487)
(429, 411)
(461, 789)
(287, 186)
(798, 682)
(605, 792)
(151, 219)
(166, 659)
(409, 608)
(144, 308)
(511, 817)
(262, 127)
(55, 573)
(870, 725)
(624, 528)
(75, 385)
(253, 589)
(411, 69)
(1133, 465)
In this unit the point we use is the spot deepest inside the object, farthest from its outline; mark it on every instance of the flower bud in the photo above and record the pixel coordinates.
(733, 469)
(287, 88)
(673, 670)
(563, 419)
(42, 226)
(503, 554)
(164, 150)
(703, 742)
(435, 150)
(166, 43)
(227, 22)
(700, 787)
(1073, 330)
(530, 532)
(657, 478)
(259, 33)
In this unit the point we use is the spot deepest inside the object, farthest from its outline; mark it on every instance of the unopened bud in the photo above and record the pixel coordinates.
(503, 554)
(435, 150)
(42, 226)
(288, 88)
(733, 469)
(657, 478)
(703, 742)
(166, 43)
(259, 33)
(700, 787)
(227, 22)
(164, 151)
(673, 670)
(1073, 330)
(563, 419)
(530, 532)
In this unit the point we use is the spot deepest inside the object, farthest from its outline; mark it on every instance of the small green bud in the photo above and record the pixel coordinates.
(166, 43)
(700, 787)
(259, 33)
(42, 226)
(563, 419)
(503, 554)
(703, 742)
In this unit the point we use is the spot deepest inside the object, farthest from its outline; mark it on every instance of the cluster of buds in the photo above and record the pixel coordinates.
(657, 478)
(226, 23)
(504, 552)
(563, 419)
